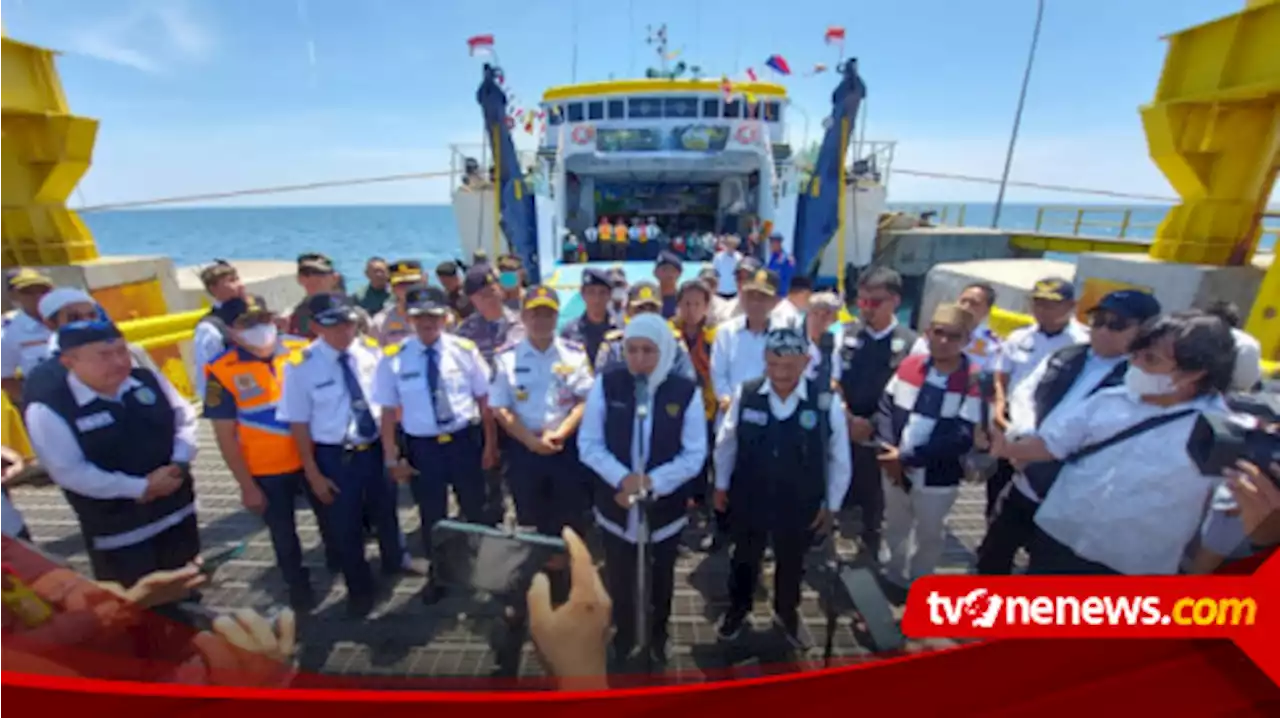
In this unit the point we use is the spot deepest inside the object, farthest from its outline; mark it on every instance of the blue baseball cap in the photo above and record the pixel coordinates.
(330, 310)
(426, 300)
(1130, 303)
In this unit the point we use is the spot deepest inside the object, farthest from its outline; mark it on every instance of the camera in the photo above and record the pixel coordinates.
(1251, 432)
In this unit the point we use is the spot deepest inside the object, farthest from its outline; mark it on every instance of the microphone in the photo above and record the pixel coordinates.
(642, 396)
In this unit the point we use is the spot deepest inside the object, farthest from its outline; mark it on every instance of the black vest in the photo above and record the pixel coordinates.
(667, 420)
(779, 478)
(867, 364)
(1060, 373)
(134, 436)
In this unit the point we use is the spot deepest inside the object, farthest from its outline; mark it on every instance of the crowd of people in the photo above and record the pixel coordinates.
(731, 401)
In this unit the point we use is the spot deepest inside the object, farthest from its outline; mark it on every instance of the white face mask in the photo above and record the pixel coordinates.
(261, 335)
(619, 296)
(1141, 383)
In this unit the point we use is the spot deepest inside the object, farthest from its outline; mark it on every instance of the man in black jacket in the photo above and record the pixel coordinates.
(1066, 377)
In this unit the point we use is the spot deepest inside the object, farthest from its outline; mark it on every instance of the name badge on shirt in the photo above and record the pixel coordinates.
(248, 387)
(755, 416)
(410, 375)
(93, 422)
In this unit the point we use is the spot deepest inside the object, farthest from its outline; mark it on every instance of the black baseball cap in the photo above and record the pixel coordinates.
(426, 300)
(801, 282)
(330, 310)
(447, 269)
(1130, 303)
(479, 277)
(1054, 289)
(314, 263)
(243, 312)
(670, 259)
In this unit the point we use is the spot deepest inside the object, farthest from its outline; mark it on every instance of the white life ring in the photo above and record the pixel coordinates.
(583, 134)
(747, 134)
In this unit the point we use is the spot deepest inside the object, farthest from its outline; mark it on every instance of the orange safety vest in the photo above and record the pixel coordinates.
(254, 385)
(606, 232)
(644, 234)
(621, 231)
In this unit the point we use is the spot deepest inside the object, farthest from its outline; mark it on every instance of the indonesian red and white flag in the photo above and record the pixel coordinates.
(480, 45)
(751, 74)
(835, 34)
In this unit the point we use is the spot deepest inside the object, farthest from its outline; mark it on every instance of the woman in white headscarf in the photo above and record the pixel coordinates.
(643, 432)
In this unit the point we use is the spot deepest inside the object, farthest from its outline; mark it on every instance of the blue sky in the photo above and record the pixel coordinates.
(210, 95)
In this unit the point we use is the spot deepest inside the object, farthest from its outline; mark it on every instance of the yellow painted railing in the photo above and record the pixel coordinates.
(154, 333)
(1075, 221)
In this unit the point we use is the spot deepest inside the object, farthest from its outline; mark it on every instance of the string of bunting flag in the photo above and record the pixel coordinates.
(517, 116)
(833, 37)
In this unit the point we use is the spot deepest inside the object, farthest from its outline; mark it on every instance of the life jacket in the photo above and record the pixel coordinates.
(700, 357)
(606, 232)
(255, 387)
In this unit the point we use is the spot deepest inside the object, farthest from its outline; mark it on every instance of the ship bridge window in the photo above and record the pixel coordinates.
(555, 114)
(772, 111)
(644, 108)
(575, 112)
(680, 107)
(595, 110)
(617, 110)
(753, 110)
(733, 109)
(711, 108)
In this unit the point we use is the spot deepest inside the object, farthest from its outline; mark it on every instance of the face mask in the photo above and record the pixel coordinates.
(1141, 383)
(261, 335)
(509, 280)
(619, 296)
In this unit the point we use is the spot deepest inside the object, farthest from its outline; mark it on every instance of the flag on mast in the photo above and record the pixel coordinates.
(834, 36)
(480, 45)
(778, 64)
(751, 74)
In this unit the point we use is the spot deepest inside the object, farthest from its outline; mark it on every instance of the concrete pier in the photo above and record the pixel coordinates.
(273, 280)
(1013, 280)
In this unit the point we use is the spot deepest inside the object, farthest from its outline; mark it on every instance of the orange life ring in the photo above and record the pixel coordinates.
(747, 134)
(582, 134)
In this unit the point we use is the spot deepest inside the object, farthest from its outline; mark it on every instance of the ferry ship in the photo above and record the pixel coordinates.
(695, 157)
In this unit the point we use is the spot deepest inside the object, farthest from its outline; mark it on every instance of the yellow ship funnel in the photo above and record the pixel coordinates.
(45, 151)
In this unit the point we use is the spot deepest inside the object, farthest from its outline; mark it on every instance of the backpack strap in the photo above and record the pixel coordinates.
(1141, 427)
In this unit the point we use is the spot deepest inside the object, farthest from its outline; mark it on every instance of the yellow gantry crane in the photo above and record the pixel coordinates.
(1214, 130)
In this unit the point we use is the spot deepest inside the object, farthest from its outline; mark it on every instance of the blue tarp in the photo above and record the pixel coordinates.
(519, 218)
(817, 208)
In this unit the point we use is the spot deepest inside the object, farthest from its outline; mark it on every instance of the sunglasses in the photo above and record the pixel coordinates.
(870, 302)
(1104, 320)
(947, 334)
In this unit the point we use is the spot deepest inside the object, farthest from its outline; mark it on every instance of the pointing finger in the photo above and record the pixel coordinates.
(581, 568)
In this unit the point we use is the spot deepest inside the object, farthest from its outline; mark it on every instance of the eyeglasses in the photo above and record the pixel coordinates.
(1106, 320)
(947, 334)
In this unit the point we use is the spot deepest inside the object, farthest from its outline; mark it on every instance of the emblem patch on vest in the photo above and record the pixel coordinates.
(897, 345)
(100, 420)
(145, 396)
(754, 416)
(673, 410)
(808, 419)
(247, 386)
(213, 394)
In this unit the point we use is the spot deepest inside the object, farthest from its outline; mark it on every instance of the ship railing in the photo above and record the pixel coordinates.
(1119, 222)
(530, 164)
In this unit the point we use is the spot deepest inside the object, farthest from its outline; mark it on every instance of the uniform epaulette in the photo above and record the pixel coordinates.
(468, 344)
(575, 345)
(300, 355)
(293, 342)
(613, 335)
(392, 349)
(371, 342)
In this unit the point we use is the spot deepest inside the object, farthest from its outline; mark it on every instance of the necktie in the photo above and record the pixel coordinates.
(365, 426)
(439, 398)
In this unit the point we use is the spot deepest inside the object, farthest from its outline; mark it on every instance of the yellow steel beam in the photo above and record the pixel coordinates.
(1066, 244)
(149, 330)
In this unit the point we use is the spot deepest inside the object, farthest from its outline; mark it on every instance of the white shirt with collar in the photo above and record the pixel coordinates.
(1248, 371)
(666, 478)
(737, 355)
(315, 393)
(982, 350)
(401, 381)
(839, 463)
(207, 344)
(726, 264)
(25, 343)
(541, 388)
(1022, 402)
(1135, 505)
(59, 451)
(1026, 347)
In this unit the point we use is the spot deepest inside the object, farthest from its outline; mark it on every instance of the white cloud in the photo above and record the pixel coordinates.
(151, 36)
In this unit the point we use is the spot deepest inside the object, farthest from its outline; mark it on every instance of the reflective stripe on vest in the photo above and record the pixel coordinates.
(254, 385)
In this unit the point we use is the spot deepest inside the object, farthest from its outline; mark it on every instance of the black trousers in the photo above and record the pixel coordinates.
(620, 579)
(1050, 557)
(866, 491)
(996, 483)
(789, 548)
(171, 549)
(1012, 527)
(547, 489)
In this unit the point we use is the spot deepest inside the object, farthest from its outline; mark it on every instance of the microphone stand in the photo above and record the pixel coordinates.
(641, 500)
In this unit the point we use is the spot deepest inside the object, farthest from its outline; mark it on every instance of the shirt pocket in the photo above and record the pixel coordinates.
(329, 396)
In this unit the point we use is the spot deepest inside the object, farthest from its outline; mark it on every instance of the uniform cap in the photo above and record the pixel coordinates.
(406, 271)
(237, 311)
(1054, 289)
(765, 281)
(426, 300)
(541, 296)
(55, 301)
(670, 259)
(330, 310)
(447, 269)
(509, 263)
(24, 277)
(479, 277)
(78, 334)
(594, 277)
(645, 292)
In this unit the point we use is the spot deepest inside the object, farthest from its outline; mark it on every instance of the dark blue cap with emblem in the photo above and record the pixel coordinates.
(426, 300)
(479, 277)
(595, 277)
(243, 311)
(330, 310)
(77, 334)
(670, 259)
